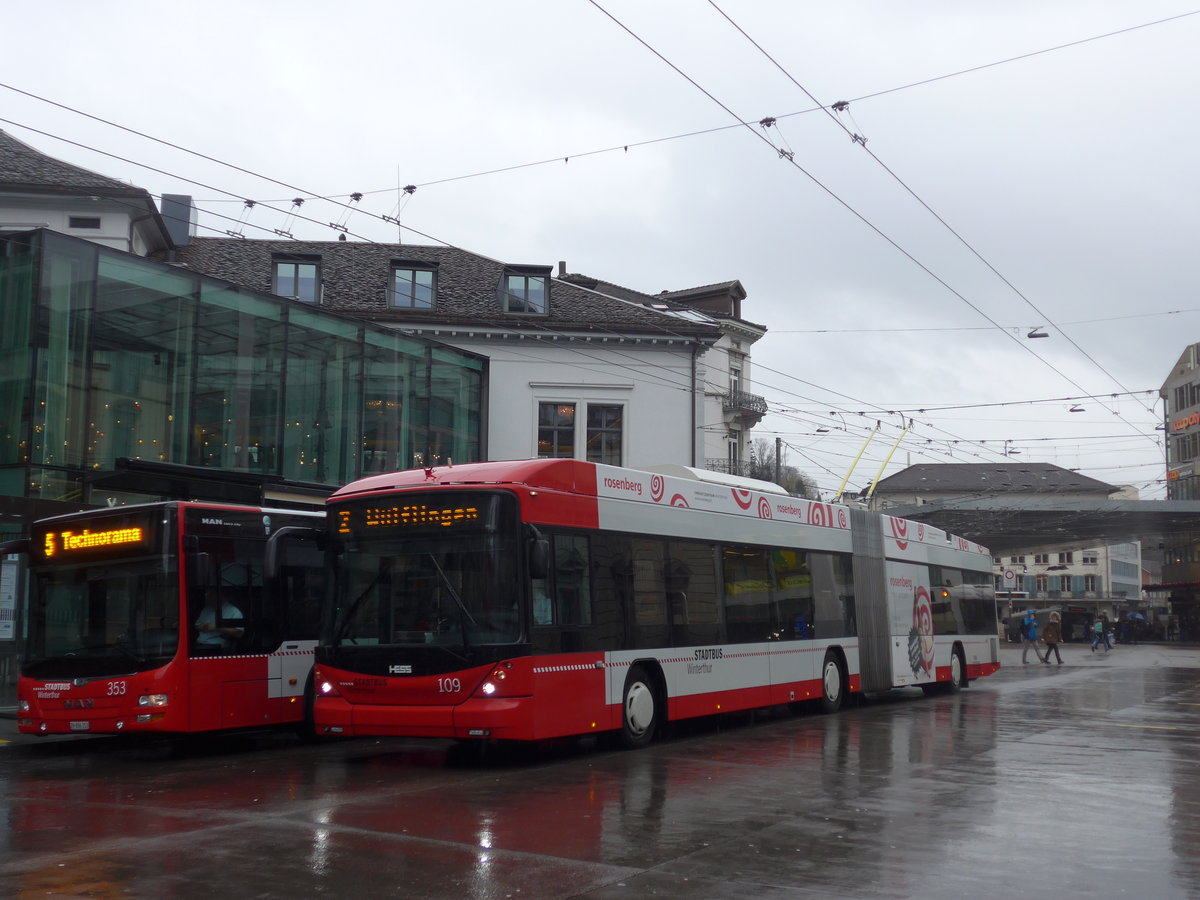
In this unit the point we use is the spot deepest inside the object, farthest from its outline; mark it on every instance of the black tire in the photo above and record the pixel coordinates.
(306, 728)
(958, 672)
(640, 712)
(958, 677)
(833, 683)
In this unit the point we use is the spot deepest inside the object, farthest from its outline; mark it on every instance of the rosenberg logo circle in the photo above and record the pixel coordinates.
(658, 487)
(764, 508)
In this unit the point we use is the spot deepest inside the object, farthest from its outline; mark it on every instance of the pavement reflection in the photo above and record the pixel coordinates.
(1061, 779)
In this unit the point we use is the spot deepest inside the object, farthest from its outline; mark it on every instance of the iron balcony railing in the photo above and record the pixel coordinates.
(742, 402)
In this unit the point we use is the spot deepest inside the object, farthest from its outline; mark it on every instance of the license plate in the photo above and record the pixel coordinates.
(81, 726)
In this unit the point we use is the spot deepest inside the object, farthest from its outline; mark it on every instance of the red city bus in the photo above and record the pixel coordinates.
(157, 618)
(543, 598)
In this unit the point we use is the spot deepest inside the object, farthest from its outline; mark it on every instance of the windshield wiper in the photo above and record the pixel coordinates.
(121, 647)
(464, 614)
(340, 632)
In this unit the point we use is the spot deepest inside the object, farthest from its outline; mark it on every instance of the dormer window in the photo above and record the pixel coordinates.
(525, 289)
(297, 276)
(413, 285)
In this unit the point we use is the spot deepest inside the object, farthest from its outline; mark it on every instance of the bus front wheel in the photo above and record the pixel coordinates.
(639, 709)
(833, 683)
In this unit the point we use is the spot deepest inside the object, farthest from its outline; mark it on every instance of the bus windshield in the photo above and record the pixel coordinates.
(440, 572)
(93, 620)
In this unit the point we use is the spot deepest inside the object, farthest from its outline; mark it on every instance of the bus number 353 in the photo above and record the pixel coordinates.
(449, 685)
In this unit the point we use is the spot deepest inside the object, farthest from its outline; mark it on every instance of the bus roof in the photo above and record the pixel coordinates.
(550, 474)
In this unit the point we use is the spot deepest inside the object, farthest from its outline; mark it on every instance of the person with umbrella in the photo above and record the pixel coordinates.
(1029, 637)
(1052, 637)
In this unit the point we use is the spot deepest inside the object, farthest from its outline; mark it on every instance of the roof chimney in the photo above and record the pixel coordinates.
(179, 215)
(562, 268)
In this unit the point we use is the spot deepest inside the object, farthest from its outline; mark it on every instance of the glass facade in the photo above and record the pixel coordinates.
(105, 355)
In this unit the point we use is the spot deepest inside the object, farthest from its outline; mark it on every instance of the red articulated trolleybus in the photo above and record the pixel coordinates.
(157, 618)
(543, 598)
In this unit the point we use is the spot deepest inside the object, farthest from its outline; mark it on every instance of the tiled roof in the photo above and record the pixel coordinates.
(22, 168)
(992, 478)
(355, 276)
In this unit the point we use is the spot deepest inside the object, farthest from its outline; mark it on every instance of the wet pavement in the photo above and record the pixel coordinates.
(1081, 779)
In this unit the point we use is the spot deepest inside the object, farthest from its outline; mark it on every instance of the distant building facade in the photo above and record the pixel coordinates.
(1180, 393)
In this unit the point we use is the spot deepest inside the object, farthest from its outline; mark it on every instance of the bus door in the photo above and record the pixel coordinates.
(296, 588)
(232, 629)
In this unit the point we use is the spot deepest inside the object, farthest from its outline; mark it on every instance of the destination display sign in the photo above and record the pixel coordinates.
(437, 513)
(83, 538)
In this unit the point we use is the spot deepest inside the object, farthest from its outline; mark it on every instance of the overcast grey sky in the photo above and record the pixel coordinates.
(1068, 179)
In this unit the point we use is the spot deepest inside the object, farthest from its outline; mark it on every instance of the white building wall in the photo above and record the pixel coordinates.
(116, 220)
(653, 385)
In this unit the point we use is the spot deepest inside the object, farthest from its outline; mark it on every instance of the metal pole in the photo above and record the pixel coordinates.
(842, 486)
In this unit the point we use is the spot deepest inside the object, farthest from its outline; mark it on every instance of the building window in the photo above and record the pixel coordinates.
(605, 432)
(603, 437)
(1017, 560)
(523, 292)
(297, 279)
(1043, 583)
(733, 441)
(1089, 584)
(412, 288)
(556, 431)
(1064, 558)
(1041, 559)
(997, 561)
(1090, 557)
(92, 222)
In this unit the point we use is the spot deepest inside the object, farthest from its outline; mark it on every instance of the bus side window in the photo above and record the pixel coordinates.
(747, 574)
(572, 580)
(651, 627)
(692, 593)
(833, 595)
(793, 596)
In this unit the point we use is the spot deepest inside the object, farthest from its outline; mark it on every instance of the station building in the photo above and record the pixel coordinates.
(125, 380)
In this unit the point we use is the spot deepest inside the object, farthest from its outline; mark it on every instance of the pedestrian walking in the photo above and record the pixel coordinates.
(1100, 635)
(1029, 636)
(1052, 637)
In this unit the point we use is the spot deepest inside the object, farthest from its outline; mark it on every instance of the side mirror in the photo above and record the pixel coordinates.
(199, 570)
(17, 545)
(278, 543)
(538, 551)
(539, 558)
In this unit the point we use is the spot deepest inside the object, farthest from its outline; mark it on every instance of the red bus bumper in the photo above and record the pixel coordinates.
(510, 718)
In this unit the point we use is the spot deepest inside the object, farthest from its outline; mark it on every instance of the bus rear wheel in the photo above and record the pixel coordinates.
(639, 709)
(958, 671)
(833, 683)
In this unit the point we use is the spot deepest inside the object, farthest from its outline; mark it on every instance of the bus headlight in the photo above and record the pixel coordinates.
(152, 700)
(22, 706)
(495, 682)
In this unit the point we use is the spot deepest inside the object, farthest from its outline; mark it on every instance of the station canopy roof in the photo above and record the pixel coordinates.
(1006, 523)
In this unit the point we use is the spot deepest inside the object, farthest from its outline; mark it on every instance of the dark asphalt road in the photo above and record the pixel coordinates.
(1065, 781)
